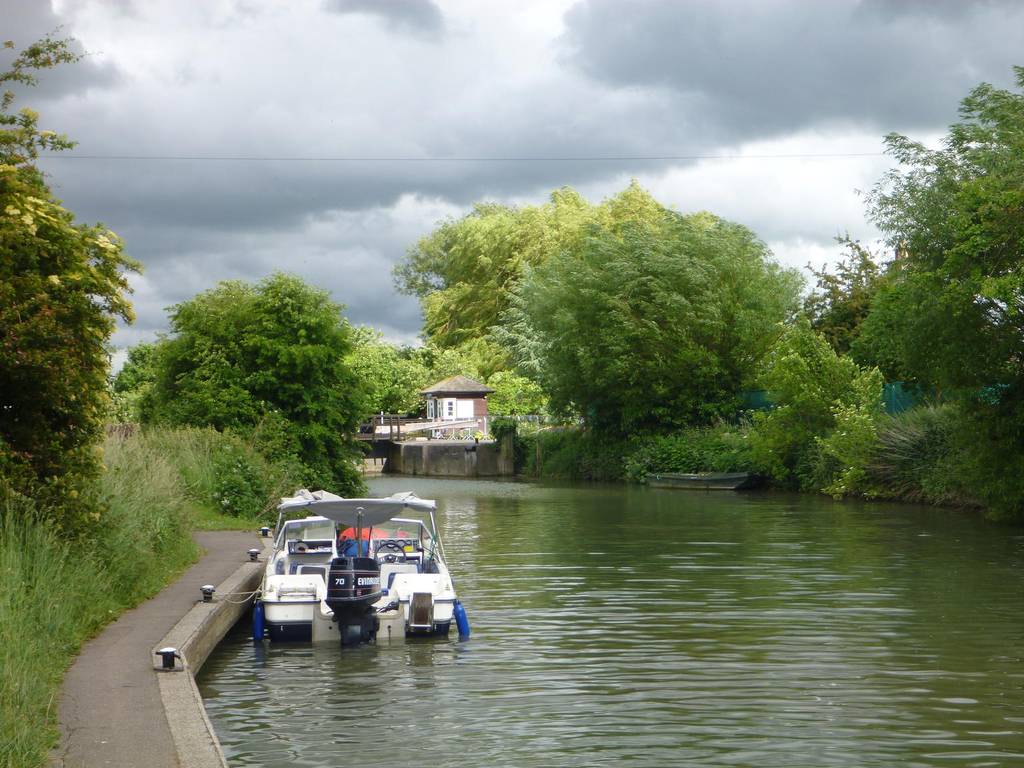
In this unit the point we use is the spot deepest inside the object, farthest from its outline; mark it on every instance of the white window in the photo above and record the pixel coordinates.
(449, 409)
(430, 408)
(464, 409)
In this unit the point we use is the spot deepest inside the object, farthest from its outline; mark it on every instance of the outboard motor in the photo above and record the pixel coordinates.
(353, 586)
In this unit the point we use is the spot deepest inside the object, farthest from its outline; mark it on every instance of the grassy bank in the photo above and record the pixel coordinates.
(156, 488)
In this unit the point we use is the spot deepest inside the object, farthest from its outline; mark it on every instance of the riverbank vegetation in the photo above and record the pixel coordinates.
(155, 488)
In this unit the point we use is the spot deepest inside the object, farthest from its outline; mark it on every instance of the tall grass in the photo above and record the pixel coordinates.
(57, 593)
(572, 453)
(52, 600)
(230, 482)
(918, 457)
(149, 516)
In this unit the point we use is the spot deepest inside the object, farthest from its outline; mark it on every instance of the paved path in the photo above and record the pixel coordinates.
(110, 712)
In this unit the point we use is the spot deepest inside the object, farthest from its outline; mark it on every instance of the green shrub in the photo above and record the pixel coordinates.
(909, 446)
(854, 437)
(239, 488)
(812, 388)
(63, 286)
(501, 426)
(723, 448)
(979, 460)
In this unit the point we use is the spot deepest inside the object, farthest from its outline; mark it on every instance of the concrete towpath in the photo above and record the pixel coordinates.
(111, 713)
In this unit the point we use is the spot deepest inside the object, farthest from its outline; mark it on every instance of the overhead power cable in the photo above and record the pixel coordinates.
(468, 159)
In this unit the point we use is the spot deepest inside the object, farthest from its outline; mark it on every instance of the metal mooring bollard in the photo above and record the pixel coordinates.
(253, 554)
(207, 590)
(264, 531)
(168, 655)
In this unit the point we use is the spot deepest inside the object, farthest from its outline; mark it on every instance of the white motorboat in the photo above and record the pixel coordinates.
(357, 569)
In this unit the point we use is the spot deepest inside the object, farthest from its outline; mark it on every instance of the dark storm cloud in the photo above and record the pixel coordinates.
(752, 68)
(318, 78)
(25, 21)
(222, 197)
(350, 255)
(421, 16)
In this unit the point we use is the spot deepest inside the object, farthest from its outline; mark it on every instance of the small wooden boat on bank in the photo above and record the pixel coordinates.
(706, 481)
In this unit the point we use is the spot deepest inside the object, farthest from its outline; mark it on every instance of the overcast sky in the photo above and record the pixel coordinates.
(379, 82)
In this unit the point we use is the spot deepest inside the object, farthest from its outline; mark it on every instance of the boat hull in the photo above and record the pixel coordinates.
(712, 481)
(289, 633)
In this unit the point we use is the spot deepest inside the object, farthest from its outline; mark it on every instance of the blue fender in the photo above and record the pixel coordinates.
(461, 621)
(257, 621)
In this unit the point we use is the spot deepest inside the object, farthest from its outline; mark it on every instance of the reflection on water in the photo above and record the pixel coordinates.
(656, 627)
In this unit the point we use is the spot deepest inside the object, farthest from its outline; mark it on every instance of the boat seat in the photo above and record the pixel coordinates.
(319, 570)
(388, 571)
(317, 566)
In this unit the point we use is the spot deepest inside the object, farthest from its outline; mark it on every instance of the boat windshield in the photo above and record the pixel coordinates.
(400, 529)
(307, 530)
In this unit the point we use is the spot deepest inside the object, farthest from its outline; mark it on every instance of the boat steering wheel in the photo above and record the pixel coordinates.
(393, 551)
(300, 547)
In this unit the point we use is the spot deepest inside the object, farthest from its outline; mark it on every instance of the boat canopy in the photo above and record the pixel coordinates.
(367, 512)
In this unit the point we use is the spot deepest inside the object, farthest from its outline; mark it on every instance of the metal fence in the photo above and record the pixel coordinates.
(895, 397)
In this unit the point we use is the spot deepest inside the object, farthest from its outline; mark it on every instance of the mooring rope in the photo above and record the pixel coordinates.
(244, 595)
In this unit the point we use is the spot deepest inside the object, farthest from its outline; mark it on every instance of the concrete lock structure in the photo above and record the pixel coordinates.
(450, 458)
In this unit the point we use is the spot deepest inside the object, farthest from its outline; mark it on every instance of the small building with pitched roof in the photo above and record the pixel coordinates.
(458, 399)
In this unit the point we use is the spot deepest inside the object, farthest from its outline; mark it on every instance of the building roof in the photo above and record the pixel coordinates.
(456, 385)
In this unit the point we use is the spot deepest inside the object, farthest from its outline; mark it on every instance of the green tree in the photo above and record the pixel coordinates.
(62, 287)
(515, 395)
(239, 353)
(464, 270)
(953, 316)
(956, 217)
(654, 322)
(133, 384)
(840, 300)
(471, 359)
(812, 389)
(390, 377)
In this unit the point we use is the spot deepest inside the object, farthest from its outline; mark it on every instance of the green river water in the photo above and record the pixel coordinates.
(631, 626)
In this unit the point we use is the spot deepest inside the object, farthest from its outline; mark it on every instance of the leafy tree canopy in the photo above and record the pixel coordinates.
(138, 370)
(515, 395)
(953, 315)
(390, 376)
(474, 358)
(238, 353)
(653, 320)
(841, 299)
(132, 387)
(466, 270)
(62, 286)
